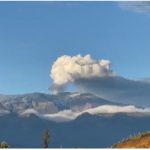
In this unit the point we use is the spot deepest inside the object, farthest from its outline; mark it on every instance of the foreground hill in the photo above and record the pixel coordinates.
(139, 141)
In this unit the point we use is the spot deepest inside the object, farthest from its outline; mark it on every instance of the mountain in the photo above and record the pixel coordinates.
(49, 104)
(87, 131)
(75, 120)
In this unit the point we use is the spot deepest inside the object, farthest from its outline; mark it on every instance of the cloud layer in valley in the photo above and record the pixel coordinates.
(68, 115)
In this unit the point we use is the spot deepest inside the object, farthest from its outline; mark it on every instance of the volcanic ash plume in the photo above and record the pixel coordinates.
(67, 69)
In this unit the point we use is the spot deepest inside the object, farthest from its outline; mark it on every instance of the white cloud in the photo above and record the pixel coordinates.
(4, 112)
(68, 115)
(111, 109)
(67, 69)
(29, 111)
(136, 6)
(62, 116)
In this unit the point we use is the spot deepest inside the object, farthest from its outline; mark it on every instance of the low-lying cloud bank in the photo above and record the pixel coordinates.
(68, 115)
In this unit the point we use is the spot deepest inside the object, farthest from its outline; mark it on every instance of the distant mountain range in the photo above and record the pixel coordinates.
(80, 120)
(49, 104)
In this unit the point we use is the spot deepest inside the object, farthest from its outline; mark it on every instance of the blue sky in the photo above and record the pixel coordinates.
(34, 34)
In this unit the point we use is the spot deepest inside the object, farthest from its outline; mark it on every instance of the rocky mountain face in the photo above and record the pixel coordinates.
(49, 104)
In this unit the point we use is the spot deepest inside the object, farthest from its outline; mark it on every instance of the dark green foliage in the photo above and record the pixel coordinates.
(4, 145)
(46, 139)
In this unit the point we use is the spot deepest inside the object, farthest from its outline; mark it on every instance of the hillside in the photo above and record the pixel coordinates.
(28, 131)
(139, 141)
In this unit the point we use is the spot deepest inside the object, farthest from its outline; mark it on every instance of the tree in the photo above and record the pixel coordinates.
(46, 139)
(4, 145)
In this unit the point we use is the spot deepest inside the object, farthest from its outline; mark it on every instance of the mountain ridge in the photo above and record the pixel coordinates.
(46, 102)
